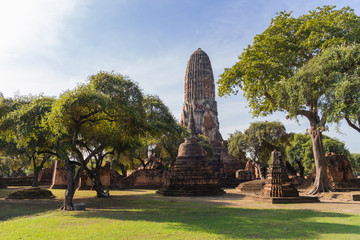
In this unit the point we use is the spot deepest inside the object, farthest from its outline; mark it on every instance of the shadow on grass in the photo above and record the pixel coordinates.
(11, 208)
(225, 221)
(24, 207)
(198, 215)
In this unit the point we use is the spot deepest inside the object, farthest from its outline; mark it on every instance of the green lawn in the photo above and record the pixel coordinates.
(141, 214)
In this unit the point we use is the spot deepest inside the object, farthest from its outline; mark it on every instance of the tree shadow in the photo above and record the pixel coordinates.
(227, 222)
(198, 215)
(23, 207)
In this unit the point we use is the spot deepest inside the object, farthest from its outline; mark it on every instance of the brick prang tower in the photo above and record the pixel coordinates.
(200, 96)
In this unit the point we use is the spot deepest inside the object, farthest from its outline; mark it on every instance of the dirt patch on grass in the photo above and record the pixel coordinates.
(339, 202)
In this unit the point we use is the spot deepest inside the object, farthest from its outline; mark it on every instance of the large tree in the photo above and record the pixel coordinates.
(268, 71)
(23, 126)
(258, 141)
(93, 118)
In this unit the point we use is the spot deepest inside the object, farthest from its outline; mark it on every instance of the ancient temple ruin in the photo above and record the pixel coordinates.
(191, 174)
(200, 96)
(277, 181)
(199, 100)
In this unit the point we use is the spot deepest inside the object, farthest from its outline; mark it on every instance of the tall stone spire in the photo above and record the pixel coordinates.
(191, 123)
(200, 96)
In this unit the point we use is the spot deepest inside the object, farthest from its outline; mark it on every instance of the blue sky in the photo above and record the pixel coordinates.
(48, 46)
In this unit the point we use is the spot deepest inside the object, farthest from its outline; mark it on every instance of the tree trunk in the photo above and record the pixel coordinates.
(37, 170)
(321, 183)
(72, 181)
(98, 187)
(96, 183)
(123, 170)
(301, 168)
(261, 175)
(35, 182)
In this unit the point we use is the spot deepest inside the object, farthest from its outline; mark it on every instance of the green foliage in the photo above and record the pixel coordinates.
(163, 131)
(10, 165)
(158, 117)
(300, 151)
(237, 145)
(258, 141)
(340, 67)
(24, 125)
(11, 160)
(329, 82)
(161, 134)
(101, 114)
(355, 163)
(284, 47)
(23, 132)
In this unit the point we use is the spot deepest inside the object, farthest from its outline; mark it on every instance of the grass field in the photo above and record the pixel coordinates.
(141, 214)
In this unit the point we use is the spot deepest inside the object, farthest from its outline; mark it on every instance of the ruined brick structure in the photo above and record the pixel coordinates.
(338, 168)
(199, 101)
(59, 180)
(340, 173)
(44, 178)
(191, 174)
(277, 181)
(142, 178)
(85, 180)
(200, 96)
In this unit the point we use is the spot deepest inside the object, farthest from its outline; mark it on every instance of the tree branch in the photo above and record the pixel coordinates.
(352, 124)
(272, 100)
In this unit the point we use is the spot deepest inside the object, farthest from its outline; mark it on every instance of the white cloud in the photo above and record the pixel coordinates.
(30, 43)
(30, 26)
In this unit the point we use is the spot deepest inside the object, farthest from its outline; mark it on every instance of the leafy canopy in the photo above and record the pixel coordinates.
(283, 48)
(258, 141)
(300, 153)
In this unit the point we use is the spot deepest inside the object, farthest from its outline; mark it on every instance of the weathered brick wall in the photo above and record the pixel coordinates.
(18, 181)
(143, 178)
(45, 177)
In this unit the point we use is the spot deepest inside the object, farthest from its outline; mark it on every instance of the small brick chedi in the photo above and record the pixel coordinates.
(277, 182)
(191, 174)
(199, 96)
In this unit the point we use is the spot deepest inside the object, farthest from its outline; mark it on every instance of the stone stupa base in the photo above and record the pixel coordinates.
(280, 190)
(300, 199)
(191, 191)
(191, 174)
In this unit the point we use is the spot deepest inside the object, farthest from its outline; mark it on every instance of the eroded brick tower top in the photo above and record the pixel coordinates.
(199, 96)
